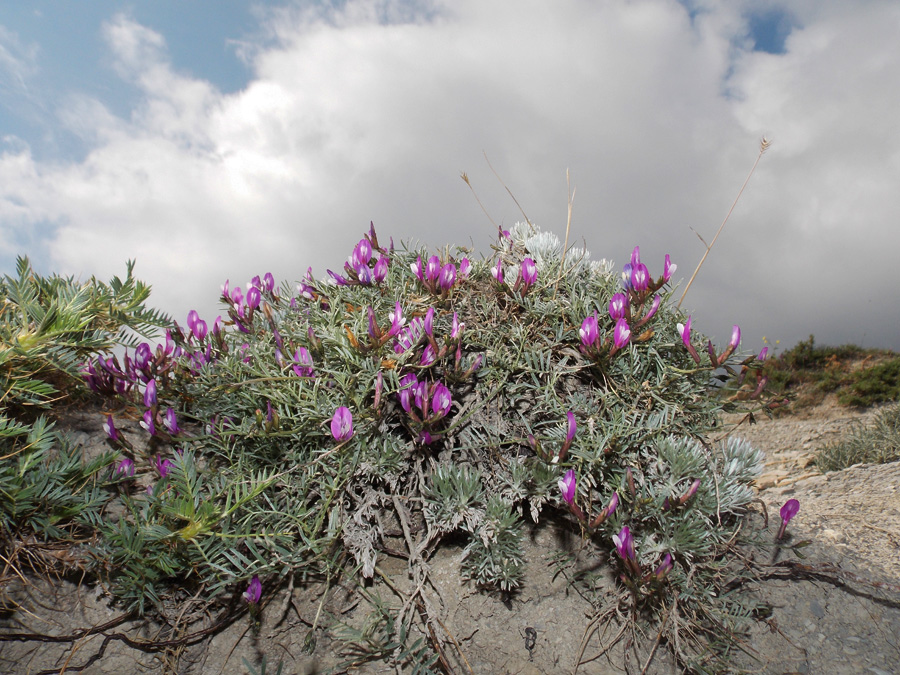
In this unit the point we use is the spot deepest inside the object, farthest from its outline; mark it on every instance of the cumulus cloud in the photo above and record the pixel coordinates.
(371, 110)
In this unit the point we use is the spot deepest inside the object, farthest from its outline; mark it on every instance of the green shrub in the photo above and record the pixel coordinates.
(875, 443)
(445, 397)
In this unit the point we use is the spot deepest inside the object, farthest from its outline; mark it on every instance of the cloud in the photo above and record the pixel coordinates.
(371, 110)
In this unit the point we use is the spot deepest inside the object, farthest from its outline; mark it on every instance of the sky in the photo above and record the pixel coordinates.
(213, 141)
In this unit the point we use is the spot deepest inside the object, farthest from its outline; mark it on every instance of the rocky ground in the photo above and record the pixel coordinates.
(835, 611)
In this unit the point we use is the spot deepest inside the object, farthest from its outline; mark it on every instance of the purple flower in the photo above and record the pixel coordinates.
(622, 334)
(589, 331)
(416, 268)
(528, 273)
(253, 297)
(440, 401)
(613, 503)
(381, 269)
(342, 424)
(163, 466)
(456, 327)
(636, 257)
(110, 428)
(268, 282)
(464, 267)
(625, 544)
(170, 422)
(497, 272)
(433, 269)
(304, 363)
(668, 269)
(428, 356)
(408, 386)
(148, 423)
(762, 354)
(788, 511)
(397, 320)
(142, 356)
(664, 568)
(254, 591)
(640, 277)
(124, 468)
(618, 305)
(150, 394)
(362, 254)
(567, 485)
(448, 276)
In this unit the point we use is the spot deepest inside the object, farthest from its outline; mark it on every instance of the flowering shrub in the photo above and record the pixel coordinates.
(434, 395)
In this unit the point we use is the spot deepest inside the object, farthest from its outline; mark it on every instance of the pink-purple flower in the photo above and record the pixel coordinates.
(342, 424)
(125, 468)
(788, 511)
(621, 334)
(618, 306)
(625, 544)
(589, 331)
(110, 428)
(253, 594)
(567, 485)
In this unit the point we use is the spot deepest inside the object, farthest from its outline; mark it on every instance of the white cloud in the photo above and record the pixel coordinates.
(371, 112)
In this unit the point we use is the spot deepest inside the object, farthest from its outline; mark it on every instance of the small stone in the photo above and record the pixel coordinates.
(817, 611)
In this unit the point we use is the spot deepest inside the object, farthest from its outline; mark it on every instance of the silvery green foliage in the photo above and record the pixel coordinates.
(455, 499)
(494, 554)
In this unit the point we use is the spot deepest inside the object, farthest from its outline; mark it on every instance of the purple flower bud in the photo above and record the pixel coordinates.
(668, 269)
(268, 282)
(237, 295)
(653, 308)
(110, 428)
(613, 504)
(664, 568)
(381, 269)
(363, 274)
(626, 277)
(342, 424)
(150, 394)
(622, 334)
(570, 433)
(762, 354)
(788, 511)
(618, 305)
(684, 329)
(589, 331)
(567, 485)
(125, 468)
(429, 322)
(636, 257)
(625, 544)
(448, 276)
(253, 594)
(735, 338)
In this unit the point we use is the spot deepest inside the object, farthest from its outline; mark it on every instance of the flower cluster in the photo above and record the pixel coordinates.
(526, 277)
(440, 278)
(361, 268)
(426, 404)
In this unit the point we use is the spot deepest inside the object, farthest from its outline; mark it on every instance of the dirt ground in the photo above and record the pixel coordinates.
(835, 611)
